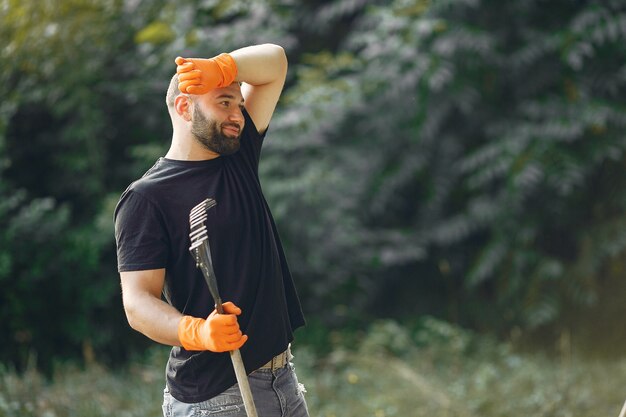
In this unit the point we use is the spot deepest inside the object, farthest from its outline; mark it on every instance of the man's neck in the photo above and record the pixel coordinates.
(188, 149)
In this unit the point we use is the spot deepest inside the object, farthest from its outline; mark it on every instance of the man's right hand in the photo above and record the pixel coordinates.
(217, 333)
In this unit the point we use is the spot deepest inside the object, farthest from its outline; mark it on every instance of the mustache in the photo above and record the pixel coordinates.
(233, 125)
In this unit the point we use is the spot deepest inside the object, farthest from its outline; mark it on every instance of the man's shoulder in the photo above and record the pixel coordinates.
(157, 176)
(146, 186)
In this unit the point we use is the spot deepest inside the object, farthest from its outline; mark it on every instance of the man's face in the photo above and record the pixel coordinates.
(219, 129)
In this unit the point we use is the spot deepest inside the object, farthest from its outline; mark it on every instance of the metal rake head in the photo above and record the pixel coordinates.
(197, 227)
(200, 249)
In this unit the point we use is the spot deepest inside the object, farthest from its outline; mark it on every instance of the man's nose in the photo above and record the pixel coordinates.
(236, 116)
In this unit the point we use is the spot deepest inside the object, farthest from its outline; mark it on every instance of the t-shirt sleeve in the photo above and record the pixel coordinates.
(251, 141)
(140, 235)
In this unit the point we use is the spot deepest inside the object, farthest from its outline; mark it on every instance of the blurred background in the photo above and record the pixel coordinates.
(447, 178)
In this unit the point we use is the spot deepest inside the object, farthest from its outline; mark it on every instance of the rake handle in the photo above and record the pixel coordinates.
(201, 251)
(235, 357)
(244, 385)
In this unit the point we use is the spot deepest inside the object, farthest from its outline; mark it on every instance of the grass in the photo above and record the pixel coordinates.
(437, 370)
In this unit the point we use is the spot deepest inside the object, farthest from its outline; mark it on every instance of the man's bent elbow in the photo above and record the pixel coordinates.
(278, 54)
(135, 311)
(283, 59)
(132, 317)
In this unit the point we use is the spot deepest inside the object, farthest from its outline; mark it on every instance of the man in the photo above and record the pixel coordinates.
(218, 129)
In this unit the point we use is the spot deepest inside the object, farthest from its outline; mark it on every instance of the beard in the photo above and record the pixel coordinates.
(208, 132)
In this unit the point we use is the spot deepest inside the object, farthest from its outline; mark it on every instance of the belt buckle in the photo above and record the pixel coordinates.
(278, 361)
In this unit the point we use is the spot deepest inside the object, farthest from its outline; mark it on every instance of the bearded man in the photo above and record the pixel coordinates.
(220, 110)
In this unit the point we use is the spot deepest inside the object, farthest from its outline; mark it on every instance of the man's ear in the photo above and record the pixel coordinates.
(183, 106)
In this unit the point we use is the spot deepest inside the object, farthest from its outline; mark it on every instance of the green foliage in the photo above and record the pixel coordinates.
(92, 392)
(156, 33)
(44, 291)
(441, 369)
(61, 77)
(458, 158)
(469, 146)
(389, 370)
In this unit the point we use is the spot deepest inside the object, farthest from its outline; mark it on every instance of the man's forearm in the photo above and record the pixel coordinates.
(260, 64)
(154, 318)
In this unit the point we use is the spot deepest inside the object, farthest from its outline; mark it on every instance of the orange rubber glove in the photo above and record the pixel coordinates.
(218, 333)
(199, 76)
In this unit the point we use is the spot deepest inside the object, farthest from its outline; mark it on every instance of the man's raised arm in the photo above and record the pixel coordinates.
(261, 68)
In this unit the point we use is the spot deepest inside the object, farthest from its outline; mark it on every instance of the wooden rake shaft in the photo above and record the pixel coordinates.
(201, 252)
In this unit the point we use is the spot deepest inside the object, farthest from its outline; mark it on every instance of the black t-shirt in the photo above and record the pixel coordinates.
(152, 232)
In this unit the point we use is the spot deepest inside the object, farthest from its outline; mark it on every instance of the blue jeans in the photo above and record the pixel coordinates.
(276, 394)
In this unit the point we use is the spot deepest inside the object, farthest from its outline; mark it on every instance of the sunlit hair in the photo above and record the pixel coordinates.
(172, 91)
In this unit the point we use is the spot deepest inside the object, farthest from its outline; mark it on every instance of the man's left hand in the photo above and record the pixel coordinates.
(199, 76)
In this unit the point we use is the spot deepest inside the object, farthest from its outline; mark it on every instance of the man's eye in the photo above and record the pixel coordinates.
(225, 103)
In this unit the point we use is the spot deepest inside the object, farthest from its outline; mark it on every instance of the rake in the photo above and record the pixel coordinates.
(201, 251)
